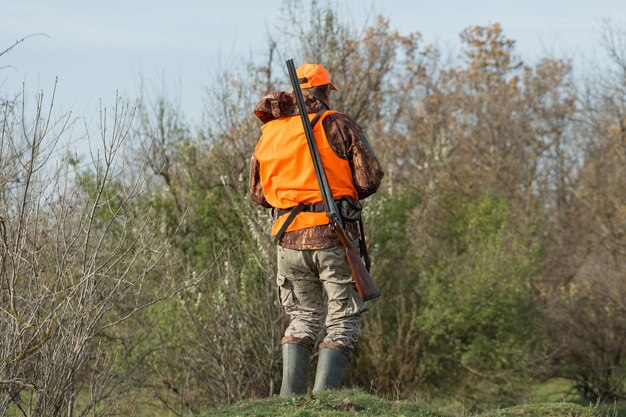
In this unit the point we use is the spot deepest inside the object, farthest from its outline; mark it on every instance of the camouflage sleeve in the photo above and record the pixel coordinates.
(350, 142)
(256, 188)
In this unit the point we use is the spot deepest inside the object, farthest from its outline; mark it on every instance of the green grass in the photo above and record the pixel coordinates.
(357, 403)
(546, 409)
(553, 390)
(561, 390)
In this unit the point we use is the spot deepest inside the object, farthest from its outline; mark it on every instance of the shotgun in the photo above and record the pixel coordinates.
(365, 285)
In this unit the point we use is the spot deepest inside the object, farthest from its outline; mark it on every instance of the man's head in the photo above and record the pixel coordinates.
(314, 80)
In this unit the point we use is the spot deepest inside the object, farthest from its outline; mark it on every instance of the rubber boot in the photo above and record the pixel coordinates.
(295, 370)
(331, 365)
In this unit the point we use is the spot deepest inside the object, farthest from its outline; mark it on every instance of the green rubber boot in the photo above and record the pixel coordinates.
(295, 370)
(331, 365)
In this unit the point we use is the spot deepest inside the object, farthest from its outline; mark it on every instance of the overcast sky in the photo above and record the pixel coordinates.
(98, 48)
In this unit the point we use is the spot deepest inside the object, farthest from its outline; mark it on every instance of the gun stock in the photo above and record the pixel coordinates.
(365, 284)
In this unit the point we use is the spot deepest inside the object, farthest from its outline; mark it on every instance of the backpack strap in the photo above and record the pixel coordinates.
(317, 117)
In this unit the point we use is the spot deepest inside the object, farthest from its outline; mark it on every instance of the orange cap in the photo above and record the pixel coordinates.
(312, 75)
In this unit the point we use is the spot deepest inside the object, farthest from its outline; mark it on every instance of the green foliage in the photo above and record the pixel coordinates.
(458, 313)
(389, 219)
(200, 216)
(478, 309)
(388, 350)
(225, 332)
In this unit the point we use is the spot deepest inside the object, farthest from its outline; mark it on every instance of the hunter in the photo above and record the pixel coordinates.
(314, 281)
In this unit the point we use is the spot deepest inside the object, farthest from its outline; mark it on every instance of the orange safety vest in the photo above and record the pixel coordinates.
(287, 173)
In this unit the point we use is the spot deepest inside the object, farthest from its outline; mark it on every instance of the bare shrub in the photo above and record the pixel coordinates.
(78, 257)
(588, 321)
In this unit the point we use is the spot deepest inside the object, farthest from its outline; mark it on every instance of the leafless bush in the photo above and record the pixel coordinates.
(78, 257)
(588, 321)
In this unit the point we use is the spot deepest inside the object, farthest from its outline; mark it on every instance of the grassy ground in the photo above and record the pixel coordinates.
(357, 403)
(561, 390)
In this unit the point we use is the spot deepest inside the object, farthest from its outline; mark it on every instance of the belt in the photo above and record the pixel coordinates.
(293, 212)
(311, 208)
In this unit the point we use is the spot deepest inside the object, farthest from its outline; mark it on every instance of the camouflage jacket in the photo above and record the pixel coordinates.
(347, 141)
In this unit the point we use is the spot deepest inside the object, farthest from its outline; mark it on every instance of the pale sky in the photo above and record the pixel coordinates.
(98, 48)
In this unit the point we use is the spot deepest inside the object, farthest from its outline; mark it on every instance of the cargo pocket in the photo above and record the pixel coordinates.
(285, 291)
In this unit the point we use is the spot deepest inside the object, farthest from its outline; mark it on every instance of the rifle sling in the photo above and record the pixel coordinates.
(317, 117)
(363, 246)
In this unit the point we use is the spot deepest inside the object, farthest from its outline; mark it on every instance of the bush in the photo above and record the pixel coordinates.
(459, 315)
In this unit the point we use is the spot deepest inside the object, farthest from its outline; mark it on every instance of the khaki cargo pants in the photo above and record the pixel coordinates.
(305, 279)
